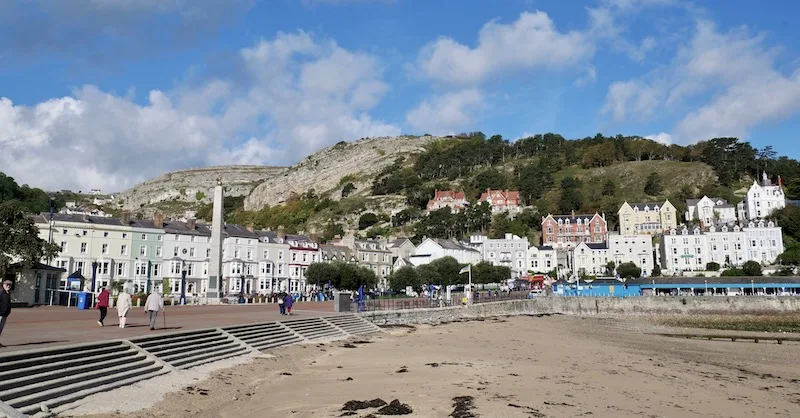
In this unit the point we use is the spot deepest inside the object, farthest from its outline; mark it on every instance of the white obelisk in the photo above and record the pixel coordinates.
(215, 260)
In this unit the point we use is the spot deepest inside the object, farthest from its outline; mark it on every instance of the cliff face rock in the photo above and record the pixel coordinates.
(195, 186)
(357, 162)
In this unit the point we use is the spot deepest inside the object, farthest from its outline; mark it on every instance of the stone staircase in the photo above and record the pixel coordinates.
(353, 325)
(58, 377)
(314, 328)
(192, 348)
(65, 374)
(264, 336)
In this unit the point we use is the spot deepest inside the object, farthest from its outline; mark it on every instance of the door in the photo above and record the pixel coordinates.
(37, 288)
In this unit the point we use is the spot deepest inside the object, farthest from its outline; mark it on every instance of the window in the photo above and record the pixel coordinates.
(175, 268)
(266, 254)
(175, 252)
(124, 235)
(205, 269)
(305, 257)
(249, 254)
(104, 267)
(191, 239)
(142, 250)
(158, 251)
(237, 240)
(191, 251)
(141, 268)
(83, 247)
(123, 250)
(105, 234)
(236, 252)
(266, 268)
(208, 252)
(79, 266)
(294, 256)
(63, 246)
(120, 269)
(84, 233)
(144, 237)
(248, 269)
(156, 270)
(64, 231)
(189, 269)
(159, 237)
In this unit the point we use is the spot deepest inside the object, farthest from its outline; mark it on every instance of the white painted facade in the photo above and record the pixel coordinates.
(763, 199)
(542, 259)
(684, 250)
(764, 241)
(709, 211)
(436, 248)
(589, 259)
(510, 251)
(187, 247)
(726, 245)
(636, 249)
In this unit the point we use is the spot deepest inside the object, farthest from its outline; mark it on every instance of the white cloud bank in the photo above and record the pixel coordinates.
(734, 75)
(301, 94)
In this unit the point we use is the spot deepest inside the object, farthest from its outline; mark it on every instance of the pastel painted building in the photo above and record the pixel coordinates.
(647, 218)
(510, 251)
(542, 259)
(436, 248)
(502, 201)
(636, 249)
(456, 201)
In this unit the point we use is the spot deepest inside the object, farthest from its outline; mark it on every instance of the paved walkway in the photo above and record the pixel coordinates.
(45, 326)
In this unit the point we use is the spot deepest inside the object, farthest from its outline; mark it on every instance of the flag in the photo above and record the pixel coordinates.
(465, 269)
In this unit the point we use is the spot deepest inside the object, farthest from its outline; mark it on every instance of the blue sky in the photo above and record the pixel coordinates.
(129, 89)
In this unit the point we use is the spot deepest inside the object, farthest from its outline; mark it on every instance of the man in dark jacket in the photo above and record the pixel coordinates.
(5, 304)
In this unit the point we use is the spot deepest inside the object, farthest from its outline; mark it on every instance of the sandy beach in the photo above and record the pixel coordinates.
(555, 366)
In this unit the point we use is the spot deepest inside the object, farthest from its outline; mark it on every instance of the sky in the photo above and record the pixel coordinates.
(108, 93)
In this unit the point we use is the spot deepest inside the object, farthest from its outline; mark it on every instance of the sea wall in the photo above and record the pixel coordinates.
(589, 306)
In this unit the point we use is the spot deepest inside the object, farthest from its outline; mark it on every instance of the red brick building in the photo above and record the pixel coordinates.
(567, 231)
(502, 200)
(456, 201)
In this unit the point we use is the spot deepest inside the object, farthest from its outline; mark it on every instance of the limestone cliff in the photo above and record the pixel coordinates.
(326, 171)
(189, 188)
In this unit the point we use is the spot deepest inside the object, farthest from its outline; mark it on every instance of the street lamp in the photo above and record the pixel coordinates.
(752, 288)
(94, 274)
(183, 286)
(705, 293)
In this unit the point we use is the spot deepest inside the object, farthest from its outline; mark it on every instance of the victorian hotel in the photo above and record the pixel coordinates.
(172, 254)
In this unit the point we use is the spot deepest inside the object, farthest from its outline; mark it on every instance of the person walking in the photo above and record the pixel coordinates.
(288, 302)
(281, 303)
(153, 304)
(102, 305)
(124, 304)
(5, 304)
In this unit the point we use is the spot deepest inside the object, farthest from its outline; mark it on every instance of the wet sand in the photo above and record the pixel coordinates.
(510, 367)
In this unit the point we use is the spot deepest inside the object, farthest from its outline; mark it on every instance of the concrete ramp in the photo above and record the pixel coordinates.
(264, 336)
(353, 325)
(192, 348)
(57, 376)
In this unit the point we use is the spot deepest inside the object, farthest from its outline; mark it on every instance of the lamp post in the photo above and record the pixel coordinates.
(705, 293)
(752, 288)
(94, 274)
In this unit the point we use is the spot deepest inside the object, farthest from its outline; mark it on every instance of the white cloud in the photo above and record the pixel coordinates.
(734, 75)
(588, 78)
(662, 137)
(531, 42)
(301, 94)
(446, 113)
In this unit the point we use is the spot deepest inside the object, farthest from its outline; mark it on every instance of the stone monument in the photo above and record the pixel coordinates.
(215, 260)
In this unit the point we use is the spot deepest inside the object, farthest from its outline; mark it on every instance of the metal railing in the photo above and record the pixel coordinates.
(391, 304)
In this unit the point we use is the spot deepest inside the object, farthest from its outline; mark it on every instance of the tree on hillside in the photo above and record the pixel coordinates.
(500, 225)
(347, 189)
(19, 238)
(788, 219)
(653, 185)
(367, 220)
(629, 271)
(490, 178)
(609, 188)
(571, 199)
(403, 277)
(751, 268)
(533, 180)
(791, 256)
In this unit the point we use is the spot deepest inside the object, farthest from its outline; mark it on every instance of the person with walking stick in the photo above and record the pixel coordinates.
(154, 304)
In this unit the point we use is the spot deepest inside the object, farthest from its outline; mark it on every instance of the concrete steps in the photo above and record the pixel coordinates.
(354, 325)
(57, 376)
(192, 348)
(264, 336)
(313, 328)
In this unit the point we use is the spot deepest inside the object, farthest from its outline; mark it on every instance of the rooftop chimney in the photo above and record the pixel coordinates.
(251, 227)
(126, 218)
(281, 232)
(191, 223)
(573, 213)
(158, 219)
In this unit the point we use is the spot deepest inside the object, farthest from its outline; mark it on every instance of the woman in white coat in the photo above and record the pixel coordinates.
(123, 306)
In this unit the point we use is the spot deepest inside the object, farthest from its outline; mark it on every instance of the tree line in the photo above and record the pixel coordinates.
(444, 272)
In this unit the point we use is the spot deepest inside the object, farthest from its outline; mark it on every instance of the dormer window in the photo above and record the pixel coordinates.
(566, 222)
(770, 224)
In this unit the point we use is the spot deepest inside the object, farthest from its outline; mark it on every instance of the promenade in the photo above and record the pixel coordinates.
(45, 326)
